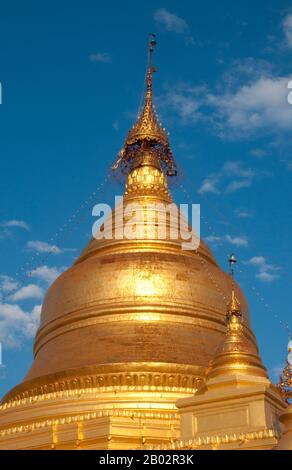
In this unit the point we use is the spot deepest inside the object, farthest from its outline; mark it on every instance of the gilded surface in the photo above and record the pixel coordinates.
(133, 323)
(236, 355)
(125, 332)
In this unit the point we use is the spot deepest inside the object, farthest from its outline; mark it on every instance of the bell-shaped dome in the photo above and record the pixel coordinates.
(132, 305)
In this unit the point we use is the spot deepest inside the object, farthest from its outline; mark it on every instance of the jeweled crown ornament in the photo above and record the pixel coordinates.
(285, 379)
(147, 141)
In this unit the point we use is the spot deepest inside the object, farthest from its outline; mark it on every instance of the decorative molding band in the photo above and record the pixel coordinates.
(216, 441)
(54, 387)
(106, 248)
(87, 417)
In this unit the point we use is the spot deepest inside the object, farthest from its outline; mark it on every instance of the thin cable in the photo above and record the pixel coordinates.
(284, 324)
(66, 229)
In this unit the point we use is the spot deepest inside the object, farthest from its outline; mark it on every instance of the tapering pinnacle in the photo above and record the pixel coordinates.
(147, 135)
(234, 307)
(150, 69)
(236, 354)
(285, 379)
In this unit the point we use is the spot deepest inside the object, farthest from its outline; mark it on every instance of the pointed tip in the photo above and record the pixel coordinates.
(147, 131)
(234, 307)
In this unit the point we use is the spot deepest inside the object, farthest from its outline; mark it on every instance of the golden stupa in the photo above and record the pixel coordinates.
(129, 330)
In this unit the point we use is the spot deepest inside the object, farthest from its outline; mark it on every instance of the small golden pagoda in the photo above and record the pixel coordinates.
(238, 407)
(285, 387)
(127, 333)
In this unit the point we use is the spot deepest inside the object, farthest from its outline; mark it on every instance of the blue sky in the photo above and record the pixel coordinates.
(72, 78)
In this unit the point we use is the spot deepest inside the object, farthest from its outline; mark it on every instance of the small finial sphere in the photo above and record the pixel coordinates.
(232, 259)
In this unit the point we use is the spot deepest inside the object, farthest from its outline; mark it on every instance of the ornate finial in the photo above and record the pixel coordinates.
(150, 69)
(232, 261)
(147, 142)
(236, 354)
(234, 307)
(285, 379)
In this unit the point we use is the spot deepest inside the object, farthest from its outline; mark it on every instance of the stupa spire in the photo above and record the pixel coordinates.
(147, 141)
(285, 379)
(233, 307)
(236, 354)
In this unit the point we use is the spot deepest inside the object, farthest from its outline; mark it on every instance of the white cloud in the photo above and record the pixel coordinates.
(8, 284)
(236, 241)
(276, 371)
(244, 213)
(257, 261)
(46, 273)
(33, 321)
(16, 223)
(3, 371)
(245, 71)
(210, 185)
(287, 29)
(116, 125)
(170, 21)
(239, 184)
(266, 272)
(43, 247)
(12, 322)
(259, 153)
(260, 105)
(187, 109)
(16, 325)
(235, 168)
(190, 41)
(102, 57)
(266, 276)
(31, 291)
(185, 100)
(4, 234)
(233, 176)
(251, 100)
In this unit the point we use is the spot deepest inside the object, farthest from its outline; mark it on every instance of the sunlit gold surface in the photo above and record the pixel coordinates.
(130, 302)
(236, 355)
(147, 126)
(234, 305)
(133, 322)
(128, 330)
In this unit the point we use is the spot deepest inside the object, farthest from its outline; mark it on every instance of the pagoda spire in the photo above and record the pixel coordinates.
(236, 354)
(233, 307)
(285, 379)
(285, 388)
(147, 141)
